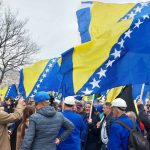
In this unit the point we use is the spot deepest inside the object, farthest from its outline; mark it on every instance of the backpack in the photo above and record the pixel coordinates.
(136, 140)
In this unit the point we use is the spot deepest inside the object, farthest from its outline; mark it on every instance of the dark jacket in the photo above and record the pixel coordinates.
(74, 139)
(92, 138)
(118, 138)
(145, 118)
(43, 129)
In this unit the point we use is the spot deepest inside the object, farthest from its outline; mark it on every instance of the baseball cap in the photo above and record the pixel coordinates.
(41, 97)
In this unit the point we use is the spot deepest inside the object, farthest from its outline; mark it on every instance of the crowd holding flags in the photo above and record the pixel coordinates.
(110, 68)
(87, 69)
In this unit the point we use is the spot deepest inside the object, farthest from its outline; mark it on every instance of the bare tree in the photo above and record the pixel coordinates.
(16, 48)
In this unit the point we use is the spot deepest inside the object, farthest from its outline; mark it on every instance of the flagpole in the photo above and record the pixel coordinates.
(142, 91)
(63, 105)
(90, 115)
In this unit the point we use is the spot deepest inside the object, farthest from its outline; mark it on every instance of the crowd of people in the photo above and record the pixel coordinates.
(45, 124)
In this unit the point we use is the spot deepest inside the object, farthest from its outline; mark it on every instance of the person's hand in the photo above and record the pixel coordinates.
(139, 102)
(57, 141)
(98, 124)
(89, 120)
(21, 102)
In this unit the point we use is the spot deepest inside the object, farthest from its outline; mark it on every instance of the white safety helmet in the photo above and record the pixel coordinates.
(70, 100)
(119, 102)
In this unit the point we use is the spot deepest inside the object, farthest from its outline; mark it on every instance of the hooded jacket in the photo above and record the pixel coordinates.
(43, 129)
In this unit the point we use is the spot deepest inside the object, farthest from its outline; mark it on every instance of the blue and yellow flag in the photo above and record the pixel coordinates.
(3, 92)
(41, 76)
(10, 91)
(96, 18)
(87, 69)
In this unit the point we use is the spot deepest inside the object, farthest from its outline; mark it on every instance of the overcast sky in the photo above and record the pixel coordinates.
(52, 23)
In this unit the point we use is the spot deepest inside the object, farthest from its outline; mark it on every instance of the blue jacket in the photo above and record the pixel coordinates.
(73, 142)
(43, 129)
(118, 138)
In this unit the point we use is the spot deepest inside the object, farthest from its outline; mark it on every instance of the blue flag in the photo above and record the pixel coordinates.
(136, 91)
(41, 76)
(127, 62)
(12, 91)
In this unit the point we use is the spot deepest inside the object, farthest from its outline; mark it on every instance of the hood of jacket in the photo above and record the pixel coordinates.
(47, 111)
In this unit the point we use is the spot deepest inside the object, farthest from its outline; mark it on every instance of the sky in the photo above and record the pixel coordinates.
(52, 23)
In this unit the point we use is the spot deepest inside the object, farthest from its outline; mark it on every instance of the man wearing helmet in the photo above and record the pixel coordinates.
(118, 138)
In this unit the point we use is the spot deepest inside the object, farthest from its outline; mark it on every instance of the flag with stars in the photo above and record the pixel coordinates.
(123, 60)
(41, 76)
(79, 63)
(12, 92)
(96, 18)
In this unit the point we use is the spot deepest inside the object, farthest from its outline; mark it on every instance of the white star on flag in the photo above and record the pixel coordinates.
(87, 91)
(116, 54)
(47, 70)
(127, 34)
(41, 80)
(121, 43)
(101, 73)
(50, 65)
(53, 60)
(38, 85)
(131, 15)
(43, 75)
(146, 16)
(110, 62)
(138, 9)
(35, 91)
(95, 83)
(138, 23)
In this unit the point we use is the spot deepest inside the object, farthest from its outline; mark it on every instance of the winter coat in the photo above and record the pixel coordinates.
(118, 137)
(92, 137)
(6, 118)
(145, 118)
(73, 142)
(43, 129)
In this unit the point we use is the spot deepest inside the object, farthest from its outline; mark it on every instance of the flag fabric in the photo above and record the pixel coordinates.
(83, 18)
(113, 93)
(12, 92)
(120, 59)
(79, 63)
(90, 16)
(136, 92)
(96, 18)
(127, 96)
(3, 92)
(41, 76)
